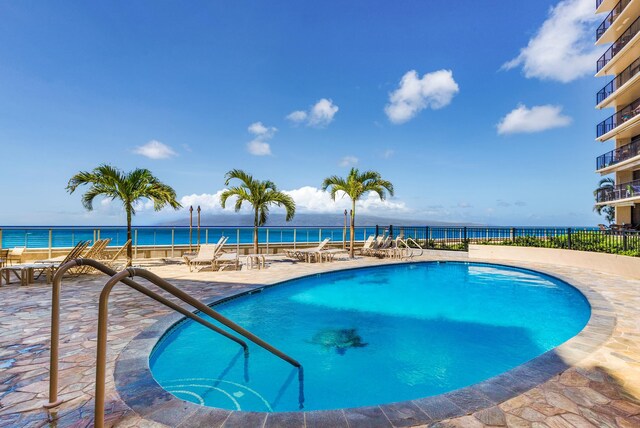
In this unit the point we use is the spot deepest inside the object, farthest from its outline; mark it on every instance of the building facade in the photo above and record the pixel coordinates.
(620, 63)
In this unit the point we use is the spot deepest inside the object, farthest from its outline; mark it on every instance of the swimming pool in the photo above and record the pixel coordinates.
(372, 335)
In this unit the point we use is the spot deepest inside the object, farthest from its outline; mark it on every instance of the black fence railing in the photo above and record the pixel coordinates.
(611, 17)
(618, 155)
(458, 238)
(598, 3)
(618, 81)
(618, 44)
(618, 118)
(619, 191)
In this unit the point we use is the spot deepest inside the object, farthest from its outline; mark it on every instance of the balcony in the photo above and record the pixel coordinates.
(617, 119)
(610, 19)
(619, 44)
(618, 81)
(619, 192)
(618, 155)
(598, 3)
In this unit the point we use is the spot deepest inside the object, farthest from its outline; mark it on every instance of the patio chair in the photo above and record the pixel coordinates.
(94, 252)
(366, 246)
(306, 254)
(205, 256)
(4, 257)
(112, 261)
(15, 254)
(73, 254)
(222, 260)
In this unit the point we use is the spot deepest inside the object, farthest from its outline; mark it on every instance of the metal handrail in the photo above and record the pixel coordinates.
(55, 318)
(417, 245)
(103, 313)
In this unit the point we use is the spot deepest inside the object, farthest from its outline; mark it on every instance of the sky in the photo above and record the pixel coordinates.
(476, 111)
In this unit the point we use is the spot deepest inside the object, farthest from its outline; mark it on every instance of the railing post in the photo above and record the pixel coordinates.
(465, 234)
(426, 237)
(513, 234)
(50, 241)
(569, 238)
(206, 236)
(625, 245)
(294, 238)
(173, 241)
(267, 241)
(391, 231)
(135, 239)
(377, 230)
(238, 241)
(0, 238)
(319, 235)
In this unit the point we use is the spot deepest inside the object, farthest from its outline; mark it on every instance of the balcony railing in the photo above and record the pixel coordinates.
(618, 118)
(619, 44)
(610, 19)
(619, 191)
(598, 3)
(618, 81)
(618, 155)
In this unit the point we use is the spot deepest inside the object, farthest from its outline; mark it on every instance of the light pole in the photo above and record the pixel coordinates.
(190, 226)
(198, 226)
(344, 232)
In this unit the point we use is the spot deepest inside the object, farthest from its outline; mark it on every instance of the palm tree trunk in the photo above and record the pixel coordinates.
(129, 247)
(352, 228)
(255, 233)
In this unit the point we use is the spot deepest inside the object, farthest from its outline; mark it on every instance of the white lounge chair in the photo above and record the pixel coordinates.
(206, 255)
(307, 254)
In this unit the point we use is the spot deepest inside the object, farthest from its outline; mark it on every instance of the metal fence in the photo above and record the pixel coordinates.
(151, 236)
(625, 242)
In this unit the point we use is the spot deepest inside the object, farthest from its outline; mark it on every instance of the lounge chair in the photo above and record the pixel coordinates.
(96, 251)
(206, 255)
(15, 254)
(330, 254)
(226, 259)
(112, 261)
(366, 246)
(4, 257)
(307, 254)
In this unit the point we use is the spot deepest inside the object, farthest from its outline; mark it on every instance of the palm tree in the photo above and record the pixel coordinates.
(259, 194)
(355, 186)
(129, 188)
(605, 184)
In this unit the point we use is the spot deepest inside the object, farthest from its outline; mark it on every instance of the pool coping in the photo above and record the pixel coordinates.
(142, 393)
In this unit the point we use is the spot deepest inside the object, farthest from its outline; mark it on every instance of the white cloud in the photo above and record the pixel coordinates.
(308, 200)
(297, 116)
(562, 49)
(258, 148)
(259, 145)
(434, 90)
(319, 115)
(314, 200)
(348, 161)
(388, 153)
(155, 150)
(534, 119)
(322, 113)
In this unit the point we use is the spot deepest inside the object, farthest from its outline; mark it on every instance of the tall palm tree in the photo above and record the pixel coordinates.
(606, 183)
(260, 195)
(129, 188)
(355, 186)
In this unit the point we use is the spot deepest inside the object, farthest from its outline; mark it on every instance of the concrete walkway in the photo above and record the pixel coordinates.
(602, 390)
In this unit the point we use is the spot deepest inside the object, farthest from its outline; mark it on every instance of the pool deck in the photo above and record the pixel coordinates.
(601, 387)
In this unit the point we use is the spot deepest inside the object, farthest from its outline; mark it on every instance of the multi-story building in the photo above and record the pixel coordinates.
(621, 61)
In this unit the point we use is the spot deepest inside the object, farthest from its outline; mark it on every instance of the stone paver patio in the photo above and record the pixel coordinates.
(602, 389)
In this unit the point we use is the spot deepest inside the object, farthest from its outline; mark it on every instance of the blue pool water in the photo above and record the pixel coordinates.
(372, 336)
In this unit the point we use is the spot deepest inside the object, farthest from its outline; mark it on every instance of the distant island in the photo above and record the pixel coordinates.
(302, 220)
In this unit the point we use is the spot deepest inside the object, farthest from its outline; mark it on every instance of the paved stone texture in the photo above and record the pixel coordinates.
(601, 390)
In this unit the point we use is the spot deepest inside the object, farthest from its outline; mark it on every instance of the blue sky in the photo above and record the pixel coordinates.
(474, 110)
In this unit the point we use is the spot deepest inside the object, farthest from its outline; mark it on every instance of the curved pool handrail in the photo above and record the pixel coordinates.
(55, 317)
(417, 246)
(103, 313)
(165, 285)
